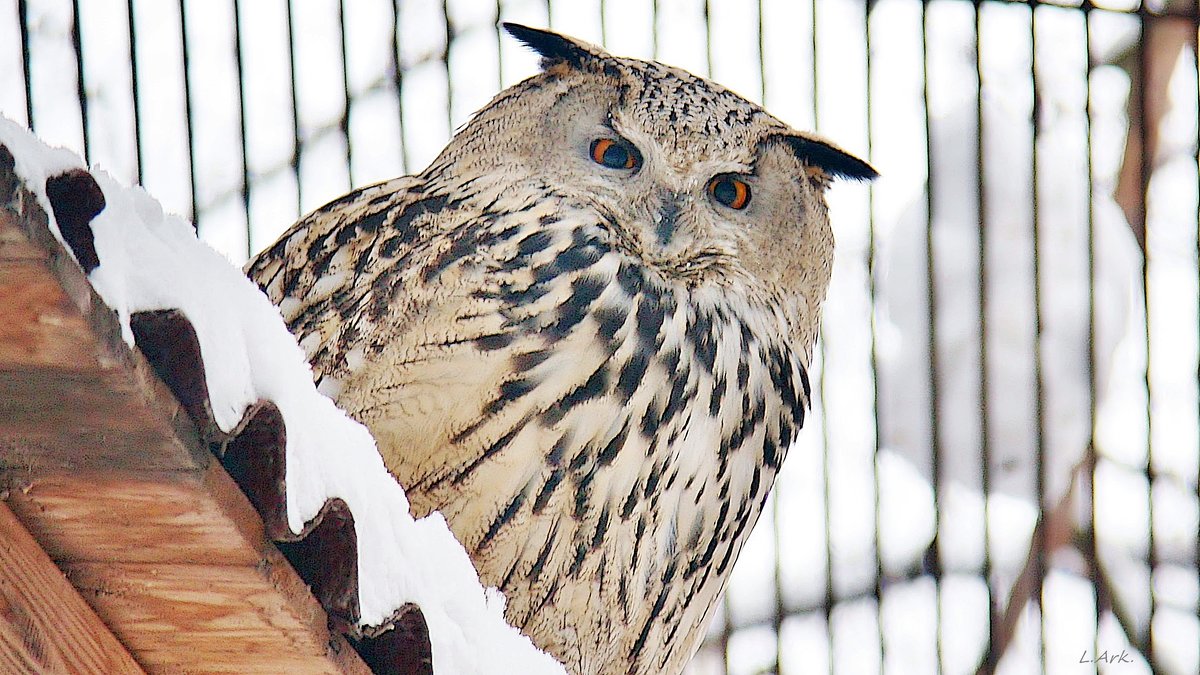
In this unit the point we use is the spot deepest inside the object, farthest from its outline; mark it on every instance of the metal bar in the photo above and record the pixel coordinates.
(398, 79)
(296, 142)
(708, 49)
(499, 51)
(194, 216)
(654, 31)
(1195, 46)
(993, 653)
(80, 85)
(344, 122)
(449, 28)
(241, 94)
(1147, 154)
(1088, 489)
(23, 27)
(981, 299)
(726, 631)
(603, 25)
(133, 89)
(933, 558)
(1039, 385)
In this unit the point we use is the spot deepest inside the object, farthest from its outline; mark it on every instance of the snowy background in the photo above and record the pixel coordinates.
(908, 506)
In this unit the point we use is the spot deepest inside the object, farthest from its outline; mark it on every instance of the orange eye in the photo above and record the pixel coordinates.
(730, 191)
(615, 154)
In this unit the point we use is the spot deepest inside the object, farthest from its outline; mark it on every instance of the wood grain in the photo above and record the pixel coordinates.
(156, 517)
(41, 327)
(205, 617)
(72, 395)
(45, 627)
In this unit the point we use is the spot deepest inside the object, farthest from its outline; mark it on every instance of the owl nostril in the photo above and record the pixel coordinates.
(668, 214)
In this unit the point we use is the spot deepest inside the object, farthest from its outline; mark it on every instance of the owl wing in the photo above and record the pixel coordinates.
(319, 272)
(423, 316)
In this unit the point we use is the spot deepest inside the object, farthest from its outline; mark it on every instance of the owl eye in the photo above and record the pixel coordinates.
(615, 154)
(730, 191)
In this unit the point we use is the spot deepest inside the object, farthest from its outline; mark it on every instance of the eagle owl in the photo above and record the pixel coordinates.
(582, 334)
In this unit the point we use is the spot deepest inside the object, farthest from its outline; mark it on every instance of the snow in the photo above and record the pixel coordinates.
(151, 260)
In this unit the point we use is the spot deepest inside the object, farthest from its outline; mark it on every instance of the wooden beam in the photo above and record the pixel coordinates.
(45, 626)
(123, 516)
(205, 617)
(106, 474)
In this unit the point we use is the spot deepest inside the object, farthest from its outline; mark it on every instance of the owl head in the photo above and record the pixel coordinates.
(703, 186)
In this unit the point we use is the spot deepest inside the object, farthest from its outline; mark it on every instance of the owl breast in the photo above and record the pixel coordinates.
(600, 438)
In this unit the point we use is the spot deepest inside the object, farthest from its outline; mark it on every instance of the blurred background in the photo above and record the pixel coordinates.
(1001, 472)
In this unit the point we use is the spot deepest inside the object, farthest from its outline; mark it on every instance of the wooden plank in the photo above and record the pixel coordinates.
(72, 393)
(122, 516)
(15, 245)
(207, 617)
(48, 440)
(42, 326)
(45, 627)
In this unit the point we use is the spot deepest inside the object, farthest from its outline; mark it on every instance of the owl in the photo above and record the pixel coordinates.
(582, 334)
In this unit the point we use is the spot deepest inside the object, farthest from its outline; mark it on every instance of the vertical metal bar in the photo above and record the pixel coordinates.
(344, 122)
(499, 51)
(762, 53)
(137, 99)
(187, 99)
(603, 25)
(295, 108)
(981, 299)
(1088, 489)
(241, 93)
(296, 143)
(872, 299)
(449, 28)
(23, 25)
(1195, 46)
(1147, 154)
(933, 558)
(398, 77)
(708, 50)
(80, 85)
(654, 32)
(726, 632)
(1039, 384)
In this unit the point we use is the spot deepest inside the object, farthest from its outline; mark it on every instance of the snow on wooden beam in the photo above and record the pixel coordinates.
(109, 480)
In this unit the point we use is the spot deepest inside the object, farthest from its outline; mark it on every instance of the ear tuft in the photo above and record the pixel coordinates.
(552, 47)
(829, 158)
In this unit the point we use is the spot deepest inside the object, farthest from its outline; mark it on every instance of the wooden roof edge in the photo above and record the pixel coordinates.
(66, 477)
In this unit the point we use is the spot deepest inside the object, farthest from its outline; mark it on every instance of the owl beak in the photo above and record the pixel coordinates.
(668, 216)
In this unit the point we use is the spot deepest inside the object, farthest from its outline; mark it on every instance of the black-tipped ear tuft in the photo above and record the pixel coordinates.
(830, 159)
(552, 47)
